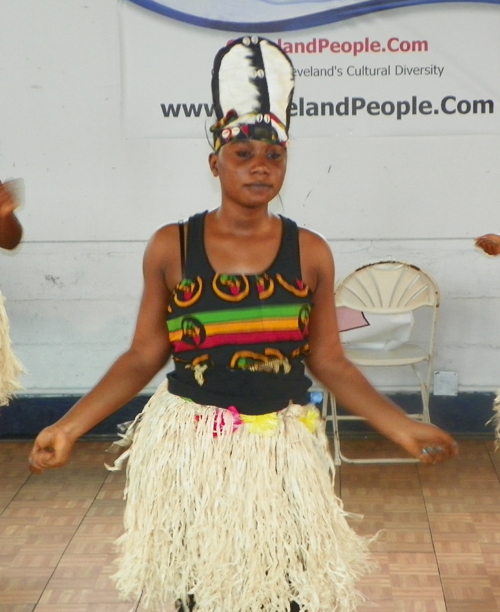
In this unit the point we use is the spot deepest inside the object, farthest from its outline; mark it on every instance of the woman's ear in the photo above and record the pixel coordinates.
(213, 162)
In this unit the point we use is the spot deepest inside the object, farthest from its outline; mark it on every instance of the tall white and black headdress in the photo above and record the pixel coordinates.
(252, 88)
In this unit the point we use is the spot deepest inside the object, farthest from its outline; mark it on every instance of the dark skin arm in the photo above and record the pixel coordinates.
(330, 366)
(11, 231)
(150, 349)
(148, 353)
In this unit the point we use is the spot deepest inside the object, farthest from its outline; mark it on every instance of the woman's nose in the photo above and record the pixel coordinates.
(261, 164)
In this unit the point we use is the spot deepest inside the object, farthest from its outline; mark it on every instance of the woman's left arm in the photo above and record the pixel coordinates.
(328, 363)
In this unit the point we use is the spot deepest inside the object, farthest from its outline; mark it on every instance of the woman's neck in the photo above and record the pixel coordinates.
(243, 243)
(242, 221)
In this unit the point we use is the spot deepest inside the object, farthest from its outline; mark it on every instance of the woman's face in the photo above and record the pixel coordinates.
(251, 172)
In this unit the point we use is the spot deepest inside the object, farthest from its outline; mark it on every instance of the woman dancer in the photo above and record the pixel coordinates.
(230, 502)
(490, 244)
(10, 236)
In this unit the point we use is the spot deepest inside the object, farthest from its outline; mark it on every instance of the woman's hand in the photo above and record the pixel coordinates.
(490, 243)
(51, 449)
(425, 442)
(10, 229)
(8, 203)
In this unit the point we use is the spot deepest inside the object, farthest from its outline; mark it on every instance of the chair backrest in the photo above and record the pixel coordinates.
(387, 287)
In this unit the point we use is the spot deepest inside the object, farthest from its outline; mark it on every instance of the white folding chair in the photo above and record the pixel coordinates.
(389, 288)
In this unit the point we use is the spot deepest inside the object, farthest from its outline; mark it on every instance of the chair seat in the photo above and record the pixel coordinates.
(403, 355)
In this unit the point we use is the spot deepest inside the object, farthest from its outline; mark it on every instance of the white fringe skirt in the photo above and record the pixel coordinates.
(10, 367)
(238, 512)
(495, 419)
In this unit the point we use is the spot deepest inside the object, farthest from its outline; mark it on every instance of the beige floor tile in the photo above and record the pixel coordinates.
(416, 586)
(413, 563)
(106, 509)
(63, 491)
(61, 506)
(18, 586)
(457, 548)
(389, 522)
(37, 559)
(13, 453)
(373, 448)
(402, 477)
(452, 523)
(387, 605)
(472, 605)
(487, 528)
(492, 561)
(66, 593)
(104, 527)
(472, 594)
(440, 540)
(111, 492)
(10, 486)
(97, 544)
(420, 605)
(404, 605)
(5, 500)
(453, 565)
(82, 579)
(466, 504)
(404, 540)
(376, 591)
(41, 519)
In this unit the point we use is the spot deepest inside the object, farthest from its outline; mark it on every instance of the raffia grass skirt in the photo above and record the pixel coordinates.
(241, 517)
(10, 366)
(496, 420)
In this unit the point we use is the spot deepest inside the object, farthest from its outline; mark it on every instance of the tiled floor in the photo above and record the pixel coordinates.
(439, 551)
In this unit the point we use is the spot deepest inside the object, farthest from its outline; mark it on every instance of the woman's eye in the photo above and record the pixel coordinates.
(244, 154)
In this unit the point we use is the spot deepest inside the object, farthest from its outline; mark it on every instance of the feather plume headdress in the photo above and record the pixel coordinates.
(252, 88)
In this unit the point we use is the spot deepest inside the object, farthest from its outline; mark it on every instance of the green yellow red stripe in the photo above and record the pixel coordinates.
(245, 339)
(237, 327)
(245, 314)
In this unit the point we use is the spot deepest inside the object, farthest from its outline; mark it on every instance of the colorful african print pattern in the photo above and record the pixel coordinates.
(239, 334)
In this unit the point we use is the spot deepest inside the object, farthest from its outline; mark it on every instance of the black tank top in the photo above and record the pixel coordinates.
(240, 340)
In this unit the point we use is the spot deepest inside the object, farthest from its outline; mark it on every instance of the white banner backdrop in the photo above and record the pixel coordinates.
(430, 69)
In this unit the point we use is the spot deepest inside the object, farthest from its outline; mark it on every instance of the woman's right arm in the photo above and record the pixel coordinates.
(148, 353)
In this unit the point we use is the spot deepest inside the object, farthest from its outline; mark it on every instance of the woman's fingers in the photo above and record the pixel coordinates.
(435, 453)
(51, 449)
(428, 443)
(489, 243)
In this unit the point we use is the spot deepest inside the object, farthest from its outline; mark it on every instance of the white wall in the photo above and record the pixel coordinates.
(93, 198)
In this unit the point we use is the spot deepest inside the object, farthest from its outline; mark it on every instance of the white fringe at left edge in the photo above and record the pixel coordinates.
(10, 366)
(495, 420)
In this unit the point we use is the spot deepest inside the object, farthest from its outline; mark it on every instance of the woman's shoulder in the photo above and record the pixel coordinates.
(310, 239)
(316, 258)
(306, 235)
(163, 246)
(162, 255)
(164, 236)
